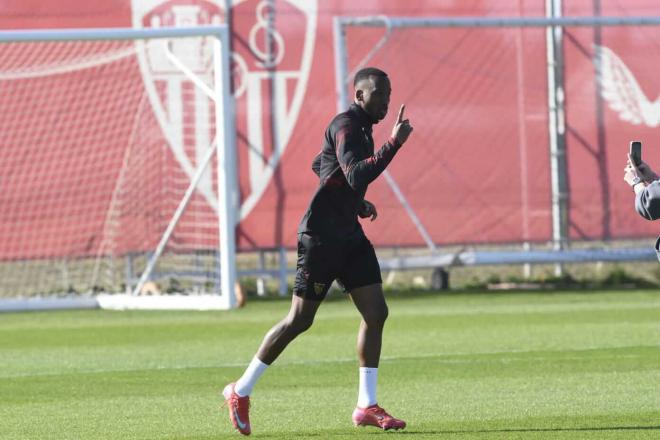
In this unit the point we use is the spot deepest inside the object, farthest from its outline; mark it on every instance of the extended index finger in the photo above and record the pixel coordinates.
(399, 118)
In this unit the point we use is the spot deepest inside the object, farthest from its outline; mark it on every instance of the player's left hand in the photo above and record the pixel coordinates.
(368, 210)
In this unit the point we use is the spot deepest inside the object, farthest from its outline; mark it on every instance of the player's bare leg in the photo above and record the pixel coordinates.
(371, 304)
(237, 395)
(300, 318)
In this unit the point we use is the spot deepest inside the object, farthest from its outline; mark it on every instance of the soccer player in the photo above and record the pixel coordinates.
(332, 246)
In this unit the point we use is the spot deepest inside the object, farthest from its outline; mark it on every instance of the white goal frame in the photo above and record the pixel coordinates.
(225, 152)
(554, 24)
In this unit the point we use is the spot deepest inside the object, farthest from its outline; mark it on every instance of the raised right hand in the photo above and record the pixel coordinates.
(402, 127)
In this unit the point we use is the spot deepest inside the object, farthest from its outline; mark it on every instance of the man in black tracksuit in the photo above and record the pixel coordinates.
(332, 246)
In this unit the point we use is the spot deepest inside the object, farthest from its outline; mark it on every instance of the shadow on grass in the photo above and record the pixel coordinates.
(374, 431)
(504, 430)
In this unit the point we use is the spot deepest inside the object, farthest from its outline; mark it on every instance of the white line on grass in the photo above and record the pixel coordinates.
(347, 360)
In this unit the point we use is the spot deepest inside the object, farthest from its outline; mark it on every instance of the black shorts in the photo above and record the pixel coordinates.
(352, 263)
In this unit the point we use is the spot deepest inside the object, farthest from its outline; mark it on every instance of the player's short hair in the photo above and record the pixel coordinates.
(366, 73)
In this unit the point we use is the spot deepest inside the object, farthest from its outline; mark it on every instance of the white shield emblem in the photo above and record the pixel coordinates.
(270, 72)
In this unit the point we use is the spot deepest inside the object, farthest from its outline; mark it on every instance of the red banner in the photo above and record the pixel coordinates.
(95, 159)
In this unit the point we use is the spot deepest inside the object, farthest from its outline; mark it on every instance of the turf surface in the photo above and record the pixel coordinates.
(517, 365)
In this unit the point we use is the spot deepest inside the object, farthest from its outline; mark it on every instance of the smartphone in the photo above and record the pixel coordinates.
(636, 152)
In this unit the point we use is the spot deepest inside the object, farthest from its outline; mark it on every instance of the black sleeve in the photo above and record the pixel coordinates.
(316, 164)
(360, 173)
(647, 202)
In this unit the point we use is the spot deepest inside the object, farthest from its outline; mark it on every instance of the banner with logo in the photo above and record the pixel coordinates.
(475, 170)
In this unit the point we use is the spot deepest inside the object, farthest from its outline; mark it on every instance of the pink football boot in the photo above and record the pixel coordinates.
(376, 416)
(239, 409)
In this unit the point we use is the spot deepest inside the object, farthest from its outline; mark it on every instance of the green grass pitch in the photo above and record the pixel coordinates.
(496, 366)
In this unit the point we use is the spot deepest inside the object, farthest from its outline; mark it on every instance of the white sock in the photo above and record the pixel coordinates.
(367, 388)
(250, 377)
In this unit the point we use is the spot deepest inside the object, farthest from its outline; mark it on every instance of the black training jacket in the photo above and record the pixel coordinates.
(346, 165)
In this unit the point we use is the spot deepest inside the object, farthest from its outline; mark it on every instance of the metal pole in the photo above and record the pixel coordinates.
(403, 22)
(522, 141)
(261, 286)
(95, 34)
(227, 180)
(129, 272)
(557, 131)
(283, 287)
(341, 64)
(601, 133)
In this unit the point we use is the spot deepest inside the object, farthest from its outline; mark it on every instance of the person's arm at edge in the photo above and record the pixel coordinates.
(647, 200)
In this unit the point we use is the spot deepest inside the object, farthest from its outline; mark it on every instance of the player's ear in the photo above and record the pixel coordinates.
(359, 95)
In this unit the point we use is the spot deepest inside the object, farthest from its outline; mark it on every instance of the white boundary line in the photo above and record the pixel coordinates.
(383, 359)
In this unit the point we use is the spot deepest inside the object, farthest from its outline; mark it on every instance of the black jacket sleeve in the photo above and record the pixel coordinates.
(316, 164)
(647, 202)
(360, 172)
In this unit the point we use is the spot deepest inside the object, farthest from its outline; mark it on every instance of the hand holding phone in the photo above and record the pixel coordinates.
(640, 167)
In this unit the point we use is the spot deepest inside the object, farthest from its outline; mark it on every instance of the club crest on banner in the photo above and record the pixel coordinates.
(270, 69)
(622, 91)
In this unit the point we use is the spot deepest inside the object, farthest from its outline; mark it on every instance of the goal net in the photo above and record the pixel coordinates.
(108, 162)
(512, 145)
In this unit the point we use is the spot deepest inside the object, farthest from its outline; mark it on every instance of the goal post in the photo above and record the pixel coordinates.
(374, 49)
(134, 174)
